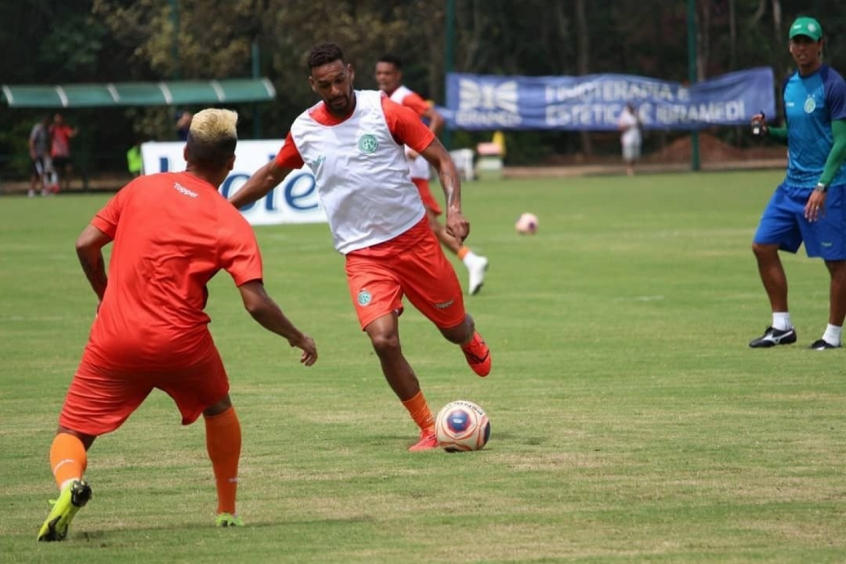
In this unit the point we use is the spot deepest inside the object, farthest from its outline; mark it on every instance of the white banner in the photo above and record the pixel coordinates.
(293, 201)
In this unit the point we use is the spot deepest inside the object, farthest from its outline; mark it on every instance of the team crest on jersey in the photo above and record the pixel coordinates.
(810, 105)
(364, 297)
(368, 144)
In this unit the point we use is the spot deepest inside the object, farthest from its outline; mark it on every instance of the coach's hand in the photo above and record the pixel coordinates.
(759, 124)
(815, 208)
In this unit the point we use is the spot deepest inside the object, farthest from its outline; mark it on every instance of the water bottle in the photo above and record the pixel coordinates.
(758, 125)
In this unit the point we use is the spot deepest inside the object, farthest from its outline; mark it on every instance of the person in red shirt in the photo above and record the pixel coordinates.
(389, 80)
(353, 141)
(60, 134)
(172, 232)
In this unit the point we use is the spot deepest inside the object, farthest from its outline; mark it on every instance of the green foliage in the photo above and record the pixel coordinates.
(118, 40)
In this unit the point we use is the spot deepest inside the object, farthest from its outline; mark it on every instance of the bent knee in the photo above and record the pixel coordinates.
(385, 343)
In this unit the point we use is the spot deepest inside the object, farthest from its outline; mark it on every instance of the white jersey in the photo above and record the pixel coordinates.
(419, 166)
(361, 175)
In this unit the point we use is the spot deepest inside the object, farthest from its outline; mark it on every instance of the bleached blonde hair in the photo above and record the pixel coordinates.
(212, 124)
(212, 137)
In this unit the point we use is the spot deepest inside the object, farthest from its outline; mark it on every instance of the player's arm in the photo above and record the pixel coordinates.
(269, 176)
(89, 249)
(436, 120)
(837, 155)
(269, 315)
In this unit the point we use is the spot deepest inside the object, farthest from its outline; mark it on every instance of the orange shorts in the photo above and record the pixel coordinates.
(413, 265)
(429, 200)
(100, 399)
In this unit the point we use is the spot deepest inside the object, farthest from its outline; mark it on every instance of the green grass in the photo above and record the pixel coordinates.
(630, 421)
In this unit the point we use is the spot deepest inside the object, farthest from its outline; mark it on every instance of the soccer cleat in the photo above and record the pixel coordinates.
(478, 355)
(72, 499)
(773, 337)
(477, 275)
(228, 520)
(428, 441)
(822, 344)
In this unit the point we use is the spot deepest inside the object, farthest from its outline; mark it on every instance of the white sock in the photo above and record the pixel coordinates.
(781, 320)
(832, 334)
(66, 483)
(469, 259)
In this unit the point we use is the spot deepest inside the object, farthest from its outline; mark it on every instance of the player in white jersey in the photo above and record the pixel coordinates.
(353, 141)
(389, 79)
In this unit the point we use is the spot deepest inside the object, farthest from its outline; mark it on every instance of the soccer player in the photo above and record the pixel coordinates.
(172, 233)
(389, 79)
(353, 142)
(809, 204)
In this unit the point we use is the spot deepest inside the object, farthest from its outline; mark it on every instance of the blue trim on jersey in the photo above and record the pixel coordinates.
(811, 103)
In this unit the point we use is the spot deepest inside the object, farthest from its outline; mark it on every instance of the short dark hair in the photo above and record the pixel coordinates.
(323, 54)
(392, 59)
(213, 154)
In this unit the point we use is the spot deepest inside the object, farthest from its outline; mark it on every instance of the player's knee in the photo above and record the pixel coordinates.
(385, 343)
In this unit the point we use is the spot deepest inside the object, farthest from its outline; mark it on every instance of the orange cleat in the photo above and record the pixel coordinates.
(428, 441)
(478, 355)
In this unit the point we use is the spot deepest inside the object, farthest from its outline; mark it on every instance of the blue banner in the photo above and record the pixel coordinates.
(594, 102)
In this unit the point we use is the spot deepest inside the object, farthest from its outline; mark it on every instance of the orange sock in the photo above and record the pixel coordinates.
(68, 458)
(462, 252)
(223, 442)
(419, 411)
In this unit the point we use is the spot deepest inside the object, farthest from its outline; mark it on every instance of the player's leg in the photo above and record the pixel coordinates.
(223, 443)
(203, 389)
(377, 296)
(778, 230)
(98, 402)
(826, 238)
(431, 285)
(477, 265)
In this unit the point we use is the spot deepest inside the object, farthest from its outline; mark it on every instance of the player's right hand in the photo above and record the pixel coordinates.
(760, 120)
(306, 344)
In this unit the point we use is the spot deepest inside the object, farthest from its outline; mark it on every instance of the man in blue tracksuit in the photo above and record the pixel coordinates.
(810, 205)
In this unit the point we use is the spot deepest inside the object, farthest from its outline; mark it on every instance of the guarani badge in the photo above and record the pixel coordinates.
(364, 297)
(810, 105)
(368, 144)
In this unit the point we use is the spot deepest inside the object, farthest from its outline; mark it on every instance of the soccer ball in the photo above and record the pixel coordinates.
(462, 425)
(527, 224)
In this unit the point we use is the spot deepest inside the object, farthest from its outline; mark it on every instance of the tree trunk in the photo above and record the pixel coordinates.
(583, 61)
(732, 7)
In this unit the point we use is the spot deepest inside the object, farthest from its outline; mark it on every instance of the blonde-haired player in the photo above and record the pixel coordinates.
(172, 232)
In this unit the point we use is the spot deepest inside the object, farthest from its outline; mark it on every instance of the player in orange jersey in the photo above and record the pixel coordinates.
(172, 233)
(389, 79)
(353, 141)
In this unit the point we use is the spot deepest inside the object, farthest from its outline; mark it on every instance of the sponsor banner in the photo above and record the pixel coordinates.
(293, 201)
(594, 102)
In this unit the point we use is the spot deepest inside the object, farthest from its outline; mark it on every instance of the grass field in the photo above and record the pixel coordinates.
(630, 421)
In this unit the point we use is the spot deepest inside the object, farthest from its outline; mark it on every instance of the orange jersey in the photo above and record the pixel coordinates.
(416, 103)
(405, 127)
(172, 233)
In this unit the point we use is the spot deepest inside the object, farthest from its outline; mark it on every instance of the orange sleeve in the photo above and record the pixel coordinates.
(239, 252)
(107, 218)
(416, 104)
(289, 155)
(406, 127)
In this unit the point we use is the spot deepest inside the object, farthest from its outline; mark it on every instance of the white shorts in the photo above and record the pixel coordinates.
(631, 151)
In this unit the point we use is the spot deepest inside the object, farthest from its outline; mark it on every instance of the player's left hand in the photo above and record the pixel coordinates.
(457, 226)
(815, 208)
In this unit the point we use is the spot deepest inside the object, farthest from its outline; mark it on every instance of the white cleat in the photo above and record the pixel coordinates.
(477, 275)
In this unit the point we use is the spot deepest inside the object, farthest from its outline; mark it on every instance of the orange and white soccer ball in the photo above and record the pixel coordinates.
(461, 426)
(527, 224)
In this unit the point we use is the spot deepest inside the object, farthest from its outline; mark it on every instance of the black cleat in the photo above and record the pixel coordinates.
(821, 345)
(773, 337)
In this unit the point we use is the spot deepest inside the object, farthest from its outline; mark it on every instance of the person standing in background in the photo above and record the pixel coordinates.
(389, 79)
(61, 133)
(808, 206)
(630, 139)
(39, 155)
